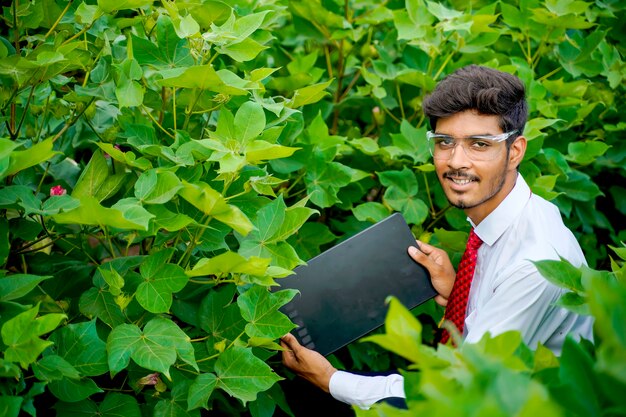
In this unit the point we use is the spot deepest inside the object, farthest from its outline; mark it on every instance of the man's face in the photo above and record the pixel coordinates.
(477, 187)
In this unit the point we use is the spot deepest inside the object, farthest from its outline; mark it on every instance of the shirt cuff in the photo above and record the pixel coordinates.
(363, 391)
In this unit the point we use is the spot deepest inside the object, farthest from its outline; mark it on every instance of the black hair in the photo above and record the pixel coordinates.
(486, 90)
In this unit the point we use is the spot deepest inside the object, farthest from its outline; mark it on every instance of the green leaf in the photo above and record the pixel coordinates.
(80, 345)
(229, 263)
(160, 281)
(249, 122)
(201, 390)
(220, 318)
(371, 212)
(154, 187)
(275, 223)
(58, 203)
(202, 77)
(18, 285)
(73, 390)
(54, 367)
(561, 273)
(129, 93)
(324, 178)
(154, 348)
(403, 333)
(260, 150)
(210, 202)
(96, 302)
(38, 153)
(92, 178)
(585, 153)
(401, 194)
(260, 308)
(109, 6)
(21, 335)
(10, 405)
(308, 95)
(412, 142)
(114, 405)
(133, 211)
(92, 213)
(243, 375)
(243, 51)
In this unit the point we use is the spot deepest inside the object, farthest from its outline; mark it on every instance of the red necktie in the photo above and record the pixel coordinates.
(457, 303)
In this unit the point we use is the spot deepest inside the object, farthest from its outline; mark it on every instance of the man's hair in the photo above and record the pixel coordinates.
(486, 90)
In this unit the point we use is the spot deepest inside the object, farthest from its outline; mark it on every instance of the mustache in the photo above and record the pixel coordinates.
(460, 174)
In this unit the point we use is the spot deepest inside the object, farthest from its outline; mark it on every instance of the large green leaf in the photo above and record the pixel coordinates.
(210, 202)
(260, 309)
(229, 263)
(54, 367)
(401, 194)
(113, 5)
(113, 405)
(96, 302)
(36, 154)
(18, 285)
(273, 225)
(161, 279)
(21, 335)
(73, 390)
(80, 345)
(93, 213)
(201, 390)
(154, 187)
(202, 77)
(154, 348)
(249, 122)
(243, 375)
(220, 318)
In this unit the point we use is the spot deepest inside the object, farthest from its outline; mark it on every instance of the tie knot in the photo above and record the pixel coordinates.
(473, 242)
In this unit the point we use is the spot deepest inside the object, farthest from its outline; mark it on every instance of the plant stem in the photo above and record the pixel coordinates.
(430, 200)
(399, 94)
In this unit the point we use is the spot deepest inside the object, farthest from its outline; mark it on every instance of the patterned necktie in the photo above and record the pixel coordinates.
(457, 303)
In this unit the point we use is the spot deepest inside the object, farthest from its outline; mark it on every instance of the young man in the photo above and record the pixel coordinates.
(478, 115)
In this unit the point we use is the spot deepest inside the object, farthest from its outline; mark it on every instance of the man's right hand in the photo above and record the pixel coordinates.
(437, 262)
(307, 363)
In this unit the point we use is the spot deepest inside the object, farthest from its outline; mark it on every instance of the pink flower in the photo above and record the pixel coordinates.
(57, 190)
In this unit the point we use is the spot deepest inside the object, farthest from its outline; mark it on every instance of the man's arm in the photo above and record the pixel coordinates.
(366, 390)
(359, 390)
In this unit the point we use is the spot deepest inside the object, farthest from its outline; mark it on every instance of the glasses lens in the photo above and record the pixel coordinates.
(441, 147)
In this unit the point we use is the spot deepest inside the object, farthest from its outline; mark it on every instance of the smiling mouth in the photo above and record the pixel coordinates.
(460, 178)
(460, 181)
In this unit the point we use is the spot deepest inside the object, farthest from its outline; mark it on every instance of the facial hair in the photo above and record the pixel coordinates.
(497, 186)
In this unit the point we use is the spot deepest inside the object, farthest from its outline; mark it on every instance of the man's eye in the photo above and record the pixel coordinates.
(445, 142)
(481, 144)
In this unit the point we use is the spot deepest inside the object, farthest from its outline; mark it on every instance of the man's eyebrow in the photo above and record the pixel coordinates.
(468, 136)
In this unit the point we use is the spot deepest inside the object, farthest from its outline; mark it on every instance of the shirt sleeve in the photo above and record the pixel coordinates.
(363, 391)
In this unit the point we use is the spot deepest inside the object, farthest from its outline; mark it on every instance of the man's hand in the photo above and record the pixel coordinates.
(307, 363)
(442, 273)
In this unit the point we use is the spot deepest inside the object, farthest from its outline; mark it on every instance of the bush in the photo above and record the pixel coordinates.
(163, 164)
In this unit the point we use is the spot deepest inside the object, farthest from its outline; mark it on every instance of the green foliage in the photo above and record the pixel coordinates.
(164, 163)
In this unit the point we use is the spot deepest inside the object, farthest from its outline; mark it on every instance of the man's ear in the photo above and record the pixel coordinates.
(517, 151)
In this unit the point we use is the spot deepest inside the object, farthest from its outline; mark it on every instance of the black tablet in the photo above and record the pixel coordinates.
(343, 290)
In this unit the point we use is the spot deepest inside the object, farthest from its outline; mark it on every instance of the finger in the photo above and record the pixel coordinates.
(419, 255)
(425, 247)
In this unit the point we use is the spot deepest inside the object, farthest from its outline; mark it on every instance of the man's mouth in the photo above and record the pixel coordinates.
(460, 179)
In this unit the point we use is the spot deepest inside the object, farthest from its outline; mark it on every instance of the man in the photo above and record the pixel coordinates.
(478, 115)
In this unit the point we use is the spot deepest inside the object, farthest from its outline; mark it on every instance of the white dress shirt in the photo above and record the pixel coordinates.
(507, 291)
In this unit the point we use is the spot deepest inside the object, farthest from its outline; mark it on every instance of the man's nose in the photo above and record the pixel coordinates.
(458, 157)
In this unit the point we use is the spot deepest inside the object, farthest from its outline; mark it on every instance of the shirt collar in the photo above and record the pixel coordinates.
(494, 225)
